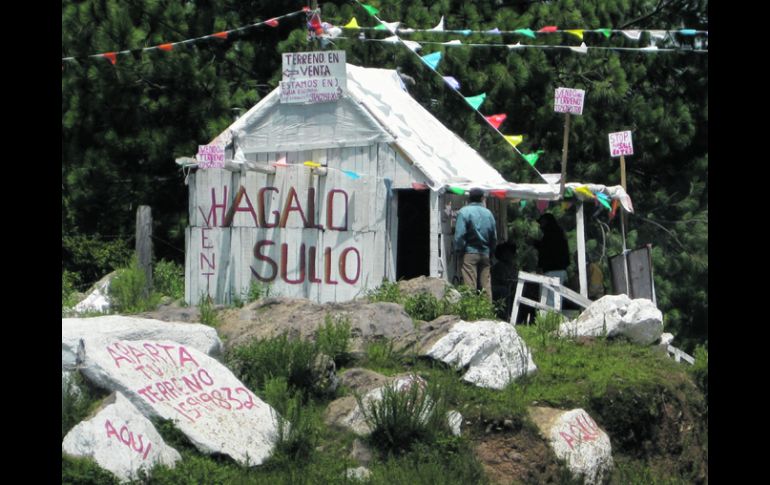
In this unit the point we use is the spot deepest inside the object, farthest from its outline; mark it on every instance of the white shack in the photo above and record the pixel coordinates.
(324, 201)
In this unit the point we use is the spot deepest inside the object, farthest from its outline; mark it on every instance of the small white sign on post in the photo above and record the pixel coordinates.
(569, 101)
(210, 156)
(620, 144)
(313, 77)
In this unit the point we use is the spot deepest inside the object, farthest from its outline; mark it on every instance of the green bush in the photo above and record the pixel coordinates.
(81, 471)
(380, 355)
(406, 416)
(77, 400)
(261, 360)
(546, 324)
(168, 279)
(299, 431)
(472, 305)
(700, 370)
(256, 291)
(127, 290)
(69, 281)
(92, 257)
(387, 292)
(333, 338)
(208, 315)
(423, 306)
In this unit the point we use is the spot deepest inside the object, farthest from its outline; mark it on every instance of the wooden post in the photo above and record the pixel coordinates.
(565, 149)
(144, 244)
(623, 225)
(581, 249)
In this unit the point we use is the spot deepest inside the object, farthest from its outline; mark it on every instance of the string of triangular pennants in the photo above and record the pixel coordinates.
(169, 46)
(656, 34)
(582, 49)
(475, 102)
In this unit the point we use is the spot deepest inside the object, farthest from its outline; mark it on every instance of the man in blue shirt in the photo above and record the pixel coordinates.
(475, 240)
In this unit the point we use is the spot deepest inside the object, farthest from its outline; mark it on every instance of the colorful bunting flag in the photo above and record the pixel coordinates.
(496, 120)
(166, 47)
(272, 22)
(583, 190)
(515, 140)
(476, 101)
(440, 26)
(605, 32)
(432, 60)
(632, 34)
(499, 193)
(452, 82)
(353, 24)
(219, 35)
(281, 162)
(548, 29)
(568, 193)
(583, 49)
(111, 56)
(419, 186)
(532, 157)
(542, 205)
(576, 32)
(389, 26)
(515, 46)
(452, 42)
(615, 205)
(658, 34)
(495, 31)
(311, 164)
(466, 31)
(456, 190)
(525, 32)
(687, 31)
(370, 9)
(566, 205)
(603, 200)
(523, 203)
(351, 174)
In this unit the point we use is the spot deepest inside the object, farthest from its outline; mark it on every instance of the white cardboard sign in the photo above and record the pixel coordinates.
(313, 77)
(568, 100)
(621, 144)
(210, 156)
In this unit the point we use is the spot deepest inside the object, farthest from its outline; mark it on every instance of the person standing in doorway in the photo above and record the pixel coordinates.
(474, 242)
(552, 251)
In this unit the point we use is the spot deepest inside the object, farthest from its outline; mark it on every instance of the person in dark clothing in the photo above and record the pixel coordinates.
(504, 276)
(474, 242)
(552, 251)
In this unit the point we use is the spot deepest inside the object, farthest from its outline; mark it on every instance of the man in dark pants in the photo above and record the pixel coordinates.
(475, 240)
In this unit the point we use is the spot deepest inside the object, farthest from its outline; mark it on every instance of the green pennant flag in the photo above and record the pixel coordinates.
(476, 101)
(532, 157)
(456, 190)
(523, 204)
(370, 9)
(606, 32)
(381, 27)
(525, 32)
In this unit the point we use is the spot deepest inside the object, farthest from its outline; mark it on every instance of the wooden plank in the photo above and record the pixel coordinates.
(581, 247)
(535, 304)
(679, 355)
(516, 301)
(536, 278)
(143, 243)
(572, 296)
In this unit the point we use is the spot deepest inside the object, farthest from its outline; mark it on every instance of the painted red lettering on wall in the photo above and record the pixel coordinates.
(580, 429)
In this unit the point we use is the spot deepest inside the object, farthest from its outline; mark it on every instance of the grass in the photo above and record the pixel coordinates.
(127, 291)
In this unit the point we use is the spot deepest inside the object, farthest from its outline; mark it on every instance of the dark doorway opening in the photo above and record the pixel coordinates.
(413, 234)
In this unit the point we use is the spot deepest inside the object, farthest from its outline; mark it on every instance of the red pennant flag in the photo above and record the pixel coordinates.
(542, 205)
(419, 186)
(305, 8)
(500, 194)
(272, 23)
(615, 205)
(111, 56)
(166, 47)
(496, 120)
(219, 35)
(548, 29)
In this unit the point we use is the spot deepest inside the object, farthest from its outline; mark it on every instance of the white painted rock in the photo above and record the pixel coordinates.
(360, 474)
(455, 420)
(178, 382)
(201, 337)
(97, 299)
(578, 440)
(494, 352)
(665, 340)
(120, 439)
(617, 315)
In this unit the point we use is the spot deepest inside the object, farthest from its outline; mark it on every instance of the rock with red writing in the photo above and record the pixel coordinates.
(119, 439)
(201, 337)
(576, 438)
(493, 352)
(637, 320)
(178, 382)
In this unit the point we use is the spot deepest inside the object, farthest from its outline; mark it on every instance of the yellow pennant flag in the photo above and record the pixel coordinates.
(583, 190)
(577, 33)
(353, 24)
(312, 164)
(513, 139)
